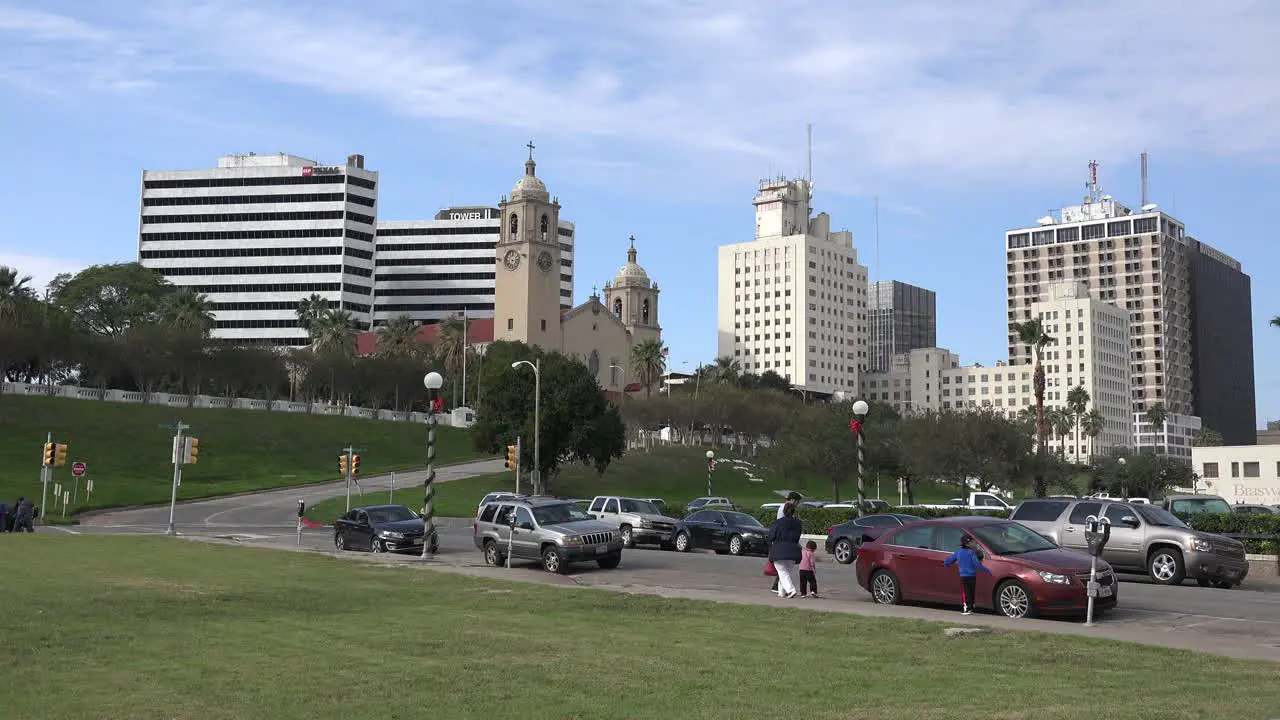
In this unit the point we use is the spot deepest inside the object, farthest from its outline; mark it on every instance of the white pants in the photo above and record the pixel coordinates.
(786, 570)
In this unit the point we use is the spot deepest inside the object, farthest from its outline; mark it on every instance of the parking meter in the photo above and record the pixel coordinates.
(511, 538)
(1097, 531)
(302, 507)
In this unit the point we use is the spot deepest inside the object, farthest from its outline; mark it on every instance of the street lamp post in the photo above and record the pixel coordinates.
(711, 459)
(433, 381)
(860, 410)
(537, 411)
(1124, 484)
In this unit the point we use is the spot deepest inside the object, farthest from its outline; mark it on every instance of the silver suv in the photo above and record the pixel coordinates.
(553, 532)
(1144, 539)
(637, 521)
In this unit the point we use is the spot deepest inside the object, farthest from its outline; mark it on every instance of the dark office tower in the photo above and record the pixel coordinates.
(902, 318)
(1222, 344)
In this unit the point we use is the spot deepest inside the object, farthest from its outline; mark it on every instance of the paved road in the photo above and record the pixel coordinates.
(1244, 622)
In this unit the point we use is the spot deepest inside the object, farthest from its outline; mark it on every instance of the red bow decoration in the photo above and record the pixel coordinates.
(855, 426)
(437, 405)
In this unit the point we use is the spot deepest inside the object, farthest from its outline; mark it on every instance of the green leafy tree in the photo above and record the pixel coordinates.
(111, 299)
(577, 424)
(16, 294)
(1093, 423)
(1156, 415)
(1143, 474)
(1032, 334)
(1060, 422)
(398, 338)
(648, 364)
(1078, 404)
(1207, 437)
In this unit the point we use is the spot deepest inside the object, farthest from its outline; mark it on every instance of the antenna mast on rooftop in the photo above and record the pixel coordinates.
(1144, 179)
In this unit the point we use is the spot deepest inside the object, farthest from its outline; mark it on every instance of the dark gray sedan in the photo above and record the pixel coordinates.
(381, 528)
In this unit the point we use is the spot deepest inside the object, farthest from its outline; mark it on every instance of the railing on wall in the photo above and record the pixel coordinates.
(216, 401)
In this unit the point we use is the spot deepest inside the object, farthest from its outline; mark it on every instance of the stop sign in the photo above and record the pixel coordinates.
(78, 469)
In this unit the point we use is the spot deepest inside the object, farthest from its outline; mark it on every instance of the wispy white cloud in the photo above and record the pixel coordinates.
(909, 91)
(42, 269)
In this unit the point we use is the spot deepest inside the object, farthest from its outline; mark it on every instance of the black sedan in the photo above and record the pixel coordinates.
(381, 528)
(724, 531)
(844, 539)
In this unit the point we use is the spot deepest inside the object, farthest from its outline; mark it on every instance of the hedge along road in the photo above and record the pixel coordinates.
(1244, 622)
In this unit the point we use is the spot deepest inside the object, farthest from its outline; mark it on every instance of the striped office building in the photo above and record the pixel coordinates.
(435, 269)
(259, 233)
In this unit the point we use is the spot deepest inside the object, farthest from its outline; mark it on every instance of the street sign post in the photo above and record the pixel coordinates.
(78, 469)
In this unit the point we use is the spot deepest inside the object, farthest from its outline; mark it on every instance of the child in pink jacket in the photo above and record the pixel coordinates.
(808, 576)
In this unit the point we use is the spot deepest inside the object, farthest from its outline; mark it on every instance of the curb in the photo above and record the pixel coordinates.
(248, 493)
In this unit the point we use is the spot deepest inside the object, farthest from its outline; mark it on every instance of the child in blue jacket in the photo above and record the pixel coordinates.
(970, 564)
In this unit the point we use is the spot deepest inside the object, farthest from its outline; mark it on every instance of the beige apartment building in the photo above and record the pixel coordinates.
(794, 299)
(1090, 350)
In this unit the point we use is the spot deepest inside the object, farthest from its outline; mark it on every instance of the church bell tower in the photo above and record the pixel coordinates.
(527, 280)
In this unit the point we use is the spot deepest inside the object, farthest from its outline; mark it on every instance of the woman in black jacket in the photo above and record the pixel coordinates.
(784, 550)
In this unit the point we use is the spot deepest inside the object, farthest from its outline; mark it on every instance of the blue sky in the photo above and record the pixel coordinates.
(657, 117)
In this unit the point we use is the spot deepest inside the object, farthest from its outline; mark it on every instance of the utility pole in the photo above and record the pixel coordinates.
(179, 450)
(45, 471)
(517, 464)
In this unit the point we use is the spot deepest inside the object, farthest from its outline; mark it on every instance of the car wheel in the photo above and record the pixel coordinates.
(1165, 566)
(683, 543)
(1013, 600)
(1224, 584)
(844, 551)
(609, 563)
(377, 546)
(339, 542)
(628, 540)
(735, 545)
(492, 556)
(885, 589)
(552, 560)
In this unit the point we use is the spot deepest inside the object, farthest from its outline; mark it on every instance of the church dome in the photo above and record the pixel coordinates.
(631, 274)
(530, 187)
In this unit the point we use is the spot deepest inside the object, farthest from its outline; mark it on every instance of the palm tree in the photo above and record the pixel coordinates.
(726, 370)
(1156, 415)
(396, 339)
(333, 332)
(648, 363)
(449, 346)
(1078, 403)
(1060, 421)
(1275, 321)
(1033, 335)
(310, 311)
(1093, 424)
(15, 293)
(187, 311)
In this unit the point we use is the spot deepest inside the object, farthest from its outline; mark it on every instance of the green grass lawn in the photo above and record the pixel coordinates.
(187, 630)
(128, 452)
(677, 474)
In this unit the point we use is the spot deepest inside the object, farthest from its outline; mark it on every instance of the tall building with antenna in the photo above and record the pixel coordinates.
(1143, 262)
(794, 298)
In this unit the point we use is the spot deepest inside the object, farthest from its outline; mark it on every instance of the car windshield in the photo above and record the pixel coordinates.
(1159, 516)
(559, 514)
(1200, 505)
(1011, 538)
(640, 507)
(741, 519)
(391, 514)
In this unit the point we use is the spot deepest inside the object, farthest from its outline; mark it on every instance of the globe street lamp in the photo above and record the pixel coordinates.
(537, 400)
(860, 410)
(433, 381)
(1124, 489)
(711, 458)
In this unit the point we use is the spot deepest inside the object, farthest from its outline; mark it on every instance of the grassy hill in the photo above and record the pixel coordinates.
(240, 450)
(675, 473)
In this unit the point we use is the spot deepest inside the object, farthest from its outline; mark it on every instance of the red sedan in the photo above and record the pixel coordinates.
(1029, 574)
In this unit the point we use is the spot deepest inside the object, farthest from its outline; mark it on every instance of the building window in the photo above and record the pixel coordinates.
(1211, 470)
(1252, 470)
(511, 324)
(545, 224)
(1235, 469)
(543, 325)
(515, 226)
(593, 363)
(644, 312)
(617, 308)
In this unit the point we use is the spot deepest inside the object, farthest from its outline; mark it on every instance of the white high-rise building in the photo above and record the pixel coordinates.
(434, 269)
(794, 299)
(258, 234)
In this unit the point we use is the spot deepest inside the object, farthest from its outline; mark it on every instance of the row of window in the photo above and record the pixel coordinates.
(258, 217)
(430, 277)
(281, 288)
(256, 235)
(1251, 469)
(254, 252)
(267, 270)
(258, 182)
(429, 292)
(257, 199)
(470, 230)
(430, 307)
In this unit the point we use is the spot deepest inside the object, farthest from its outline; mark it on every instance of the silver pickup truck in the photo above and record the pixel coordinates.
(1144, 539)
(637, 520)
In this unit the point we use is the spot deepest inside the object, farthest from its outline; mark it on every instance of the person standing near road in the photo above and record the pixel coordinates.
(793, 499)
(808, 571)
(970, 564)
(784, 550)
(25, 517)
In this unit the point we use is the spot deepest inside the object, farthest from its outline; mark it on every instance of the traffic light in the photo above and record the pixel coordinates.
(342, 464)
(191, 451)
(355, 464)
(49, 453)
(512, 460)
(60, 455)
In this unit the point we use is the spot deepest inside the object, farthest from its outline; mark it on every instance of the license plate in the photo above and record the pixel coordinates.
(602, 550)
(417, 541)
(1104, 591)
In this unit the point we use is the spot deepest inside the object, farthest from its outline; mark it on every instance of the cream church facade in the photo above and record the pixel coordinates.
(600, 332)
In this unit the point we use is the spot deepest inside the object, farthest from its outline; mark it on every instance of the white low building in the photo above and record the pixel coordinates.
(1239, 473)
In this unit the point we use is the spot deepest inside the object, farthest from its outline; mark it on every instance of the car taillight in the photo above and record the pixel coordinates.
(831, 529)
(475, 530)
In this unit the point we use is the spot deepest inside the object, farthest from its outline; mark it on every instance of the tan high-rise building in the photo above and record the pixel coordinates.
(527, 285)
(1135, 261)
(794, 299)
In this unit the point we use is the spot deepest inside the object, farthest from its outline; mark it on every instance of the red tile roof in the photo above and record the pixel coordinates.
(479, 330)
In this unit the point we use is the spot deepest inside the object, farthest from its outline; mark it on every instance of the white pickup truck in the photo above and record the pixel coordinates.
(975, 501)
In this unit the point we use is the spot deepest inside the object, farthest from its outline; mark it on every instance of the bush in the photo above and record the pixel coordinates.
(1233, 524)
